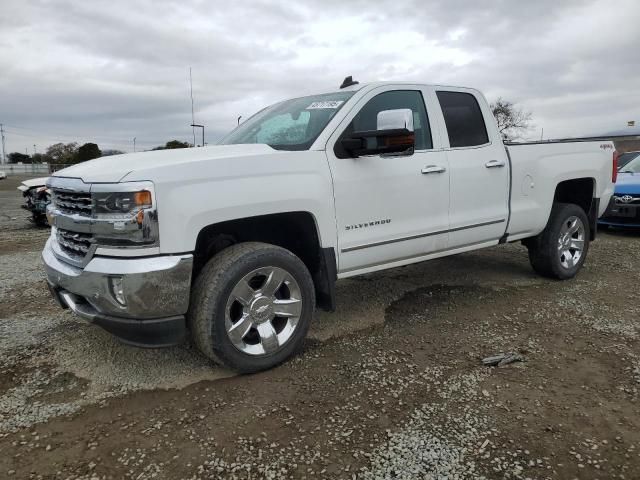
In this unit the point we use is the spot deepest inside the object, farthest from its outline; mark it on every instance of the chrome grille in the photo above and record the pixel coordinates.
(75, 244)
(72, 202)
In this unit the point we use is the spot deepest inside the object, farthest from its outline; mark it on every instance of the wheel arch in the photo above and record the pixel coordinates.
(581, 192)
(297, 231)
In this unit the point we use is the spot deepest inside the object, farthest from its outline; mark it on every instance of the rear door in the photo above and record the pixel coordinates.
(389, 208)
(478, 166)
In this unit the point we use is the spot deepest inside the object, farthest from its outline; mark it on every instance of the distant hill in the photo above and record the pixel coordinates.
(624, 131)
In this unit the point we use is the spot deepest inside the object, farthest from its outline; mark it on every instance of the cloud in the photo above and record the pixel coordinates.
(108, 71)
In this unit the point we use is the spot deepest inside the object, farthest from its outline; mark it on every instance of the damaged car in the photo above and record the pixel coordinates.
(36, 198)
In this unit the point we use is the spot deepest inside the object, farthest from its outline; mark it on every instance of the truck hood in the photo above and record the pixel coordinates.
(115, 168)
(628, 183)
(33, 182)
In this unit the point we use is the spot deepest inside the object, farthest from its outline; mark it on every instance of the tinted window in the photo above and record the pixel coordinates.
(367, 118)
(463, 118)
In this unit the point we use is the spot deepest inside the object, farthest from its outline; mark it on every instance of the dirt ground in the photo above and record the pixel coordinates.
(390, 386)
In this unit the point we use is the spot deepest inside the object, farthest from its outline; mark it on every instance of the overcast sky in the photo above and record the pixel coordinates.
(108, 71)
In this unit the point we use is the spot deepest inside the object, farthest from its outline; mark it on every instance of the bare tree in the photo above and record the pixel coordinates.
(513, 121)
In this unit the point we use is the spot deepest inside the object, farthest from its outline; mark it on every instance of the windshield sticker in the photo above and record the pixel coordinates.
(333, 104)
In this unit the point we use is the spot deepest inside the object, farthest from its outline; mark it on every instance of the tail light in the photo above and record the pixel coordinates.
(614, 166)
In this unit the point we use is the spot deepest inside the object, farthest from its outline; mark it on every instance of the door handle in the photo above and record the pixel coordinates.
(494, 164)
(432, 169)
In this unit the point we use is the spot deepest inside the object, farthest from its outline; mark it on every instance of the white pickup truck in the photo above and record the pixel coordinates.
(236, 244)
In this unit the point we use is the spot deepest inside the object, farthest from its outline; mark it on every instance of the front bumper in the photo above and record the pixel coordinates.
(156, 294)
(621, 214)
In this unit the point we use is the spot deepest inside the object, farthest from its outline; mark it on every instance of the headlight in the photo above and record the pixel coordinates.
(124, 215)
(121, 203)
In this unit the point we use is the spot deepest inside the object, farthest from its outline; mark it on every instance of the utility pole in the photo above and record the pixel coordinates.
(4, 155)
(193, 119)
(134, 144)
(35, 151)
(194, 125)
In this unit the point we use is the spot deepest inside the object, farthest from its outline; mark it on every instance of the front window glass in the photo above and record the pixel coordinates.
(367, 118)
(290, 125)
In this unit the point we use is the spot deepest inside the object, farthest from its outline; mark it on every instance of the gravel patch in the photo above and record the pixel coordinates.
(20, 408)
(444, 439)
(27, 330)
(62, 346)
(18, 269)
(89, 352)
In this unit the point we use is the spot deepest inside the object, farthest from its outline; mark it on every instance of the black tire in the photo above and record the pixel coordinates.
(543, 249)
(40, 220)
(213, 288)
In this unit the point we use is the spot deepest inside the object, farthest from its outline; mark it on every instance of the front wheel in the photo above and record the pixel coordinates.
(561, 249)
(251, 306)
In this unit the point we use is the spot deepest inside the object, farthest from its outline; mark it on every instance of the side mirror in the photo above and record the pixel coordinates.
(394, 134)
(395, 119)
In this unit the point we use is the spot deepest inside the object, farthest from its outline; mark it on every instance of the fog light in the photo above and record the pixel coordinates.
(116, 285)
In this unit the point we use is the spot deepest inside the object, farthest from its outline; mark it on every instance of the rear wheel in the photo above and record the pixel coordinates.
(251, 306)
(561, 249)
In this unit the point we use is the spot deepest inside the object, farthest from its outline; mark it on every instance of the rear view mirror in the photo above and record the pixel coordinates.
(395, 119)
(378, 142)
(393, 134)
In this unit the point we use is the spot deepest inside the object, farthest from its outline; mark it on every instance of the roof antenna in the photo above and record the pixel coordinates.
(348, 81)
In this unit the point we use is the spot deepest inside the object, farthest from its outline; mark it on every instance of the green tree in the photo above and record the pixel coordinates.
(17, 157)
(111, 151)
(173, 144)
(38, 158)
(176, 144)
(88, 151)
(62, 153)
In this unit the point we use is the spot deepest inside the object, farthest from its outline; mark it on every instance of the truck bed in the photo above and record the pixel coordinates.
(538, 167)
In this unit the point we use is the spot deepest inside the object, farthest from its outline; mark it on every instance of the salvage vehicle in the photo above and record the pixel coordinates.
(624, 207)
(236, 244)
(36, 199)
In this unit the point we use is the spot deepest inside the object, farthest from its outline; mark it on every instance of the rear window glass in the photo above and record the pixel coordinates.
(463, 118)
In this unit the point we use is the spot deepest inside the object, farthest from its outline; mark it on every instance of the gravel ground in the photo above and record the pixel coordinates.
(390, 386)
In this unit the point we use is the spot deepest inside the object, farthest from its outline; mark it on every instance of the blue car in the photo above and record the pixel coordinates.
(624, 207)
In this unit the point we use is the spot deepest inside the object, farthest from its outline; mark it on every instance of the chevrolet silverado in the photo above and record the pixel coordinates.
(236, 244)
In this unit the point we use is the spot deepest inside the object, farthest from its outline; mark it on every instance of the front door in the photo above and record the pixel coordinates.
(389, 208)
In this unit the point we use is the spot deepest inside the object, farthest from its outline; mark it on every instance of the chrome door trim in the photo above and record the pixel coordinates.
(400, 259)
(420, 235)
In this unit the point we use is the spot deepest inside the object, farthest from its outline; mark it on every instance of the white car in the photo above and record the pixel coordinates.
(236, 244)
(36, 198)
(3, 175)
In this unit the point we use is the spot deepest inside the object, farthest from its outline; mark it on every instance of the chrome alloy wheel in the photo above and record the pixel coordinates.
(571, 242)
(263, 311)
